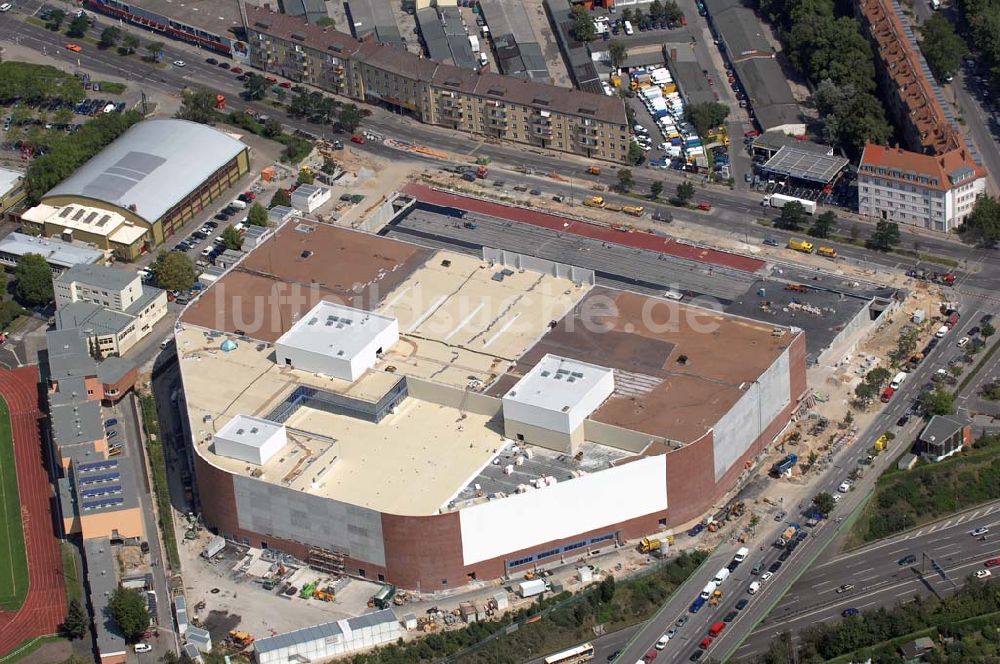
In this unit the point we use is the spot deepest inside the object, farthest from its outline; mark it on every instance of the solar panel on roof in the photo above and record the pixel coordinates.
(101, 504)
(96, 492)
(97, 465)
(98, 479)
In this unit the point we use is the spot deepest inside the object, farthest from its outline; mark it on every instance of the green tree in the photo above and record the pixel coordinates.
(110, 37)
(257, 215)
(823, 225)
(905, 344)
(823, 502)
(635, 153)
(655, 189)
(56, 18)
(812, 458)
(198, 105)
(78, 27)
(706, 115)
(128, 610)
(982, 226)
(792, 216)
(34, 280)
(943, 48)
(939, 402)
(878, 377)
(851, 117)
(625, 180)
(987, 330)
(256, 86)
(885, 237)
(305, 177)
(174, 271)
(583, 26)
(617, 52)
(130, 44)
(273, 128)
(155, 50)
(329, 166)
(77, 621)
(349, 118)
(231, 238)
(606, 592)
(685, 192)
(865, 392)
(281, 197)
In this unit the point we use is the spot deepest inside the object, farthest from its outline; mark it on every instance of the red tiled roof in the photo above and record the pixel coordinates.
(896, 164)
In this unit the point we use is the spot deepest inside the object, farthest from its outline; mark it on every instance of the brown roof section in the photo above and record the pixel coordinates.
(543, 96)
(284, 277)
(902, 63)
(941, 172)
(674, 377)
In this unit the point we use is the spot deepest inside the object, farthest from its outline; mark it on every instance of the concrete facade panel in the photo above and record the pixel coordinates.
(293, 515)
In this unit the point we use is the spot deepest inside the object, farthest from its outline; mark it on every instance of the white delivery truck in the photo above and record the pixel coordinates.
(721, 576)
(532, 588)
(707, 591)
(474, 43)
(742, 554)
(780, 200)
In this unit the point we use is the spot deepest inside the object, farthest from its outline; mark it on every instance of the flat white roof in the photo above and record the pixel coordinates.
(95, 220)
(250, 431)
(557, 383)
(8, 179)
(329, 328)
(56, 252)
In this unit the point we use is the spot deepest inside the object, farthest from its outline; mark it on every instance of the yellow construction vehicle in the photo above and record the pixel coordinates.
(829, 252)
(239, 638)
(594, 170)
(716, 598)
(324, 594)
(634, 210)
(648, 545)
(800, 245)
(594, 201)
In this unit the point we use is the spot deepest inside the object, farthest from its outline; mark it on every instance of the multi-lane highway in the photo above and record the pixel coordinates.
(882, 575)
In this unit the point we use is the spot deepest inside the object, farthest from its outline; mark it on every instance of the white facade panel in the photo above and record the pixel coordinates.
(761, 402)
(499, 527)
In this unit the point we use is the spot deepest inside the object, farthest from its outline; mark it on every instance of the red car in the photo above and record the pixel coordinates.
(705, 643)
(237, 70)
(250, 195)
(993, 562)
(285, 84)
(649, 656)
(705, 206)
(358, 138)
(270, 79)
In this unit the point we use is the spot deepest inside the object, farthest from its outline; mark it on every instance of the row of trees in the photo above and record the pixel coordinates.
(983, 20)
(943, 48)
(583, 28)
(824, 42)
(982, 226)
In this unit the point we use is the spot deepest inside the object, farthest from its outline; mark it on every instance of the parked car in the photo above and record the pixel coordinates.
(847, 613)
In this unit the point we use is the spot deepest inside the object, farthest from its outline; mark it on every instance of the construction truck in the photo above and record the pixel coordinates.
(784, 465)
(789, 533)
(634, 210)
(594, 170)
(594, 201)
(716, 598)
(241, 639)
(828, 252)
(800, 245)
(649, 545)
(324, 594)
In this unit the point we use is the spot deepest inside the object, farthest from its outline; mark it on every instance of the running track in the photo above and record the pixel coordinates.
(45, 607)
(638, 240)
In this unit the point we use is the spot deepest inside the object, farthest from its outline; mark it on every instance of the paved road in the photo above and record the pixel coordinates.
(879, 579)
(771, 592)
(733, 211)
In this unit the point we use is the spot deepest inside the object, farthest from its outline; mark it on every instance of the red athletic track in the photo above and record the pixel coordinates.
(45, 607)
(638, 240)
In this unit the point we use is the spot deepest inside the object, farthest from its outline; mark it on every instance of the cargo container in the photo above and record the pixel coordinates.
(532, 588)
(780, 200)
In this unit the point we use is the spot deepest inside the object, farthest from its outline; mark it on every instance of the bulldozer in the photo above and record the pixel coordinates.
(716, 598)
(324, 594)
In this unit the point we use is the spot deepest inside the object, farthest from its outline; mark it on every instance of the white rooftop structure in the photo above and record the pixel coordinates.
(337, 341)
(58, 254)
(558, 394)
(8, 180)
(250, 439)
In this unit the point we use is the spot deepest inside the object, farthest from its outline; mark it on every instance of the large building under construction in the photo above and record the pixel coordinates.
(428, 418)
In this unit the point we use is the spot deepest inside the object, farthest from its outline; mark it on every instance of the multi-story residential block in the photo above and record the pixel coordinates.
(480, 103)
(935, 182)
(934, 192)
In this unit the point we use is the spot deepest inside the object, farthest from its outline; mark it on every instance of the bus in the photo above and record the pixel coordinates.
(582, 653)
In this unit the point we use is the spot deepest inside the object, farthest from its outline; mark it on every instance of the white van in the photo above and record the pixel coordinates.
(239, 205)
(483, 60)
(754, 587)
(742, 554)
(629, 30)
(898, 380)
(721, 576)
(707, 591)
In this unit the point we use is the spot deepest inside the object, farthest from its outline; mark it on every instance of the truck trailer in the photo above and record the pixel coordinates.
(532, 588)
(780, 201)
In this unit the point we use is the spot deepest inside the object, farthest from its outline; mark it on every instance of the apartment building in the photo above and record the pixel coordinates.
(481, 102)
(933, 192)
(935, 181)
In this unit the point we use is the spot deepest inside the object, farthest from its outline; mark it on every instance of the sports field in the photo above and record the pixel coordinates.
(13, 557)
